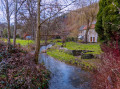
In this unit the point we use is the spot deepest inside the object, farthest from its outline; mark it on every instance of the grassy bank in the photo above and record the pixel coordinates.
(86, 64)
(79, 46)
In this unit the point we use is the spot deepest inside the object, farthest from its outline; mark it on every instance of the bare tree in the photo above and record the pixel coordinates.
(16, 9)
(88, 12)
(90, 15)
(15, 23)
(28, 17)
(37, 33)
(8, 22)
(39, 26)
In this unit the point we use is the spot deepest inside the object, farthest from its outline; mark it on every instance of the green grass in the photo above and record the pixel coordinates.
(79, 46)
(70, 59)
(26, 42)
(60, 55)
(20, 41)
(23, 42)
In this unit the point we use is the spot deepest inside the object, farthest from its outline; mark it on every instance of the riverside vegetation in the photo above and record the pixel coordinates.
(67, 57)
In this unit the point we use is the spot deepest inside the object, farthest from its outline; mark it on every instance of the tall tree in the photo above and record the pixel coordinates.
(15, 23)
(108, 19)
(90, 16)
(7, 6)
(88, 12)
(98, 27)
(16, 9)
(39, 24)
(8, 22)
(38, 32)
(27, 17)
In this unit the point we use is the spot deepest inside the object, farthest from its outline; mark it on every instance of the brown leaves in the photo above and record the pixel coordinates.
(22, 72)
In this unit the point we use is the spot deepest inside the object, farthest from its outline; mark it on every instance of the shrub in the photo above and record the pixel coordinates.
(71, 39)
(80, 41)
(107, 76)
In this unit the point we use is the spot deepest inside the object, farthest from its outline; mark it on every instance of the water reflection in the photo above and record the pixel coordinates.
(64, 76)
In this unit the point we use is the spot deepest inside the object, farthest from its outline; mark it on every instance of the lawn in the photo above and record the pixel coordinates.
(20, 41)
(60, 55)
(79, 46)
(23, 42)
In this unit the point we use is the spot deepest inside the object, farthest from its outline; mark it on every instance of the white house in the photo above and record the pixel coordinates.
(92, 34)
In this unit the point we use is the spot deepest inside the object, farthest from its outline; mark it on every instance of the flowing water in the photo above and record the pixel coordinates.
(64, 76)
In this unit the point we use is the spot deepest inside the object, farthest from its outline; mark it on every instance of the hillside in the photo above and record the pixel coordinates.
(77, 18)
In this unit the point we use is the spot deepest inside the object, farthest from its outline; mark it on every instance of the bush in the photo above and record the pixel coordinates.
(71, 39)
(80, 41)
(107, 76)
(17, 36)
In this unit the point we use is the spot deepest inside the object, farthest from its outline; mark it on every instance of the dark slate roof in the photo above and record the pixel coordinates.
(81, 28)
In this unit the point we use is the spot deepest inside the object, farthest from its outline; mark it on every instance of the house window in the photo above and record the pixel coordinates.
(93, 39)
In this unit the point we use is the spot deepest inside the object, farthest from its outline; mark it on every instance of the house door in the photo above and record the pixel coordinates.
(90, 39)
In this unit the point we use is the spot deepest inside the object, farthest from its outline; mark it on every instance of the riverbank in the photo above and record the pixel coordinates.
(18, 70)
(66, 56)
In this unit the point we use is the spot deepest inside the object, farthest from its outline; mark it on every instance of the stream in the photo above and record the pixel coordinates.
(64, 76)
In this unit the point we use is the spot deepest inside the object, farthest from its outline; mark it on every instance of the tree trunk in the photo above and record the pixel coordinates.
(46, 35)
(37, 48)
(87, 30)
(15, 24)
(8, 23)
(86, 36)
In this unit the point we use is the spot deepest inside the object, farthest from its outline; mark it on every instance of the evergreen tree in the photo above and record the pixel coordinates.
(108, 19)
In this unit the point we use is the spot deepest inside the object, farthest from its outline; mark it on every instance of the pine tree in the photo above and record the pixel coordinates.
(108, 19)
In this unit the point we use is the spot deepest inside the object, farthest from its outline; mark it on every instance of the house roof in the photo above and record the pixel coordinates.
(92, 27)
(81, 28)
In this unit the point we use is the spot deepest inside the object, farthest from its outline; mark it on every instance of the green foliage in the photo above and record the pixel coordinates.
(108, 19)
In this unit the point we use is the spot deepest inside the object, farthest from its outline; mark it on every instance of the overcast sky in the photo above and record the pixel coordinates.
(62, 2)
